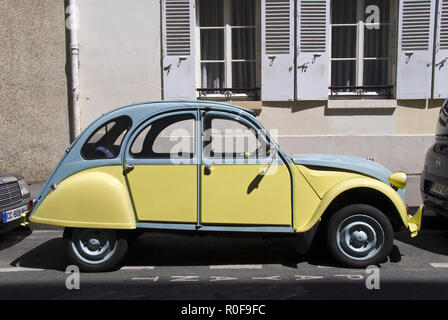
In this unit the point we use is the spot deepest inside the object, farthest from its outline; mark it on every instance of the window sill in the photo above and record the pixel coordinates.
(362, 104)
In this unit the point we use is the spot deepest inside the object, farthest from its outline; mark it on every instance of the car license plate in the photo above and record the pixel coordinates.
(14, 214)
(439, 189)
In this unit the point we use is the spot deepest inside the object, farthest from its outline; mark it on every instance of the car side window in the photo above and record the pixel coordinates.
(171, 137)
(105, 142)
(227, 138)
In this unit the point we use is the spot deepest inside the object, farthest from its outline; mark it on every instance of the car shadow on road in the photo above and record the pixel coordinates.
(161, 249)
(49, 256)
(158, 249)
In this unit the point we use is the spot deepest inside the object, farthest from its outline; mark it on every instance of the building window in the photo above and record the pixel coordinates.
(362, 47)
(228, 49)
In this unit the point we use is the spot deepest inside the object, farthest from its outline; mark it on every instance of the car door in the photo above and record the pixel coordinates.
(242, 181)
(161, 166)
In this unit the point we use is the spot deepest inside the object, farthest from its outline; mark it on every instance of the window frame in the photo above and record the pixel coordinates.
(261, 136)
(360, 58)
(145, 124)
(228, 91)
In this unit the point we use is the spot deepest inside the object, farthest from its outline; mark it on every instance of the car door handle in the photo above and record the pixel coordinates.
(128, 168)
(207, 170)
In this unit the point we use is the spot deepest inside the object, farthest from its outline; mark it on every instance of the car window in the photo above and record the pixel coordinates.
(226, 138)
(105, 142)
(171, 137)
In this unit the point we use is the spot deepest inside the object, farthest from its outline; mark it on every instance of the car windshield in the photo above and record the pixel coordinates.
(442, 126)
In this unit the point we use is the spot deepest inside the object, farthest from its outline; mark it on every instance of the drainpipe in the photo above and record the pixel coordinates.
(72, 24)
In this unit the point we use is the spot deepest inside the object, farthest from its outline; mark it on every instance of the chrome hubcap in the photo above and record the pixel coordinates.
(93, 246)
(360, 237)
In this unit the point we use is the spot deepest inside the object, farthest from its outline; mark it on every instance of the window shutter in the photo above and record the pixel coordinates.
(441, 55)
(178, 19)
(415, 49)
(313, 20)
(277, 31)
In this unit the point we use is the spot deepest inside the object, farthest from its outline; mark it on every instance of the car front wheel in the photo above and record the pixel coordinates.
(95, 250)
(359, 235)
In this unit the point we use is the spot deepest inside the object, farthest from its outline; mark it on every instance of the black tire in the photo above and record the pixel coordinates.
(359, 235)
(95, 250)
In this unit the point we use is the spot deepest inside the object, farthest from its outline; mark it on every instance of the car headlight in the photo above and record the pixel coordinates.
(398, 180)
(23, 186)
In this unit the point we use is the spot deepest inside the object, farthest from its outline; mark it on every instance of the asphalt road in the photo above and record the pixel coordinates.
(160, 266)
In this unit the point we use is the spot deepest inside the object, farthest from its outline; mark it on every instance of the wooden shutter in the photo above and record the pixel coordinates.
(441, 54)
(313, 51)
(415, 49)
(277, 29)
(178, 20)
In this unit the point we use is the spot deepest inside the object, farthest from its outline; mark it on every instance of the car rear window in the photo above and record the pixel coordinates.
(105, 142)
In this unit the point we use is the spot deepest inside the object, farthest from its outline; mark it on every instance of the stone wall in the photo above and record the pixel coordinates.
(34, 129)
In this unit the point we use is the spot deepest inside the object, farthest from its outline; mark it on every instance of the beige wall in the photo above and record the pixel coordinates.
(409, 117)
(33, 87)
(418, 116)
(119, 54)
(396, 137)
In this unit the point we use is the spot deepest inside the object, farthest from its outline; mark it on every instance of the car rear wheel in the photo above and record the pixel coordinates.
(95, 250)
(359, 235)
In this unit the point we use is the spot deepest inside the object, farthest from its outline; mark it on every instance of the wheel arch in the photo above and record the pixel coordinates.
(369, 196)
(362, 190)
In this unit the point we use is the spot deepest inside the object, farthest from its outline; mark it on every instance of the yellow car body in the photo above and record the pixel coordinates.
(99, 198)
(279, 194)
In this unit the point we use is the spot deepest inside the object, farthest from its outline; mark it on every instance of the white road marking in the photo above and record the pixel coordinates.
(350, 276)
(19, 269)
(302, 277)
(439, 265)
(237, 266)
(216, 278)
(274, 278)
(152, 279)
(138, 268)
(325, 267)
(184, 278)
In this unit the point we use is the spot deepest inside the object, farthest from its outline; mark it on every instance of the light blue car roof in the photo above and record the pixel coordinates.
(140, 111)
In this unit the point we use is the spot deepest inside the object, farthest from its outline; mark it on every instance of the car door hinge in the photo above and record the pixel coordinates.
(128, 168)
